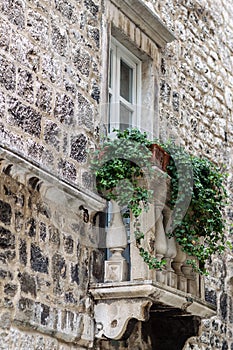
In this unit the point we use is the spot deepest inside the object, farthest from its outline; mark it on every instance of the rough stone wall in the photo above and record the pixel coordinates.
(45, 270)
(196, 109)
(49, 95)
(49, 82)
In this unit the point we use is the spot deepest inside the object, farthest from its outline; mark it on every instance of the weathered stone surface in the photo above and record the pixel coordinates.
(50, 63)
(7, 239)
(7, 74)
(28, 284)
(67, 170)
(5, 212)
(58, 267)
(68, 245)
(4, 35)
(52, 134)
(38, 261)
(82, 61)
(25, 87)
(64, 109)
(44, 98)
(85, 112)
(23, 252)
(59, 39)
(65, 7)
(78, 148)
(37, 26)
(15, 11)
(25, 117)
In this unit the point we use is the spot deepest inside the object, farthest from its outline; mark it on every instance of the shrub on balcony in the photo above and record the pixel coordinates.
(196, 185)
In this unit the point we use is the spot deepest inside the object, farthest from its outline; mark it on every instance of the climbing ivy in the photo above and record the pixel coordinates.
(197, 185)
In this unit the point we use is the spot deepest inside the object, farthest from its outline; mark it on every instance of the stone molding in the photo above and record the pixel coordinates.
(118, 303)
(49, 186)
(153, 27)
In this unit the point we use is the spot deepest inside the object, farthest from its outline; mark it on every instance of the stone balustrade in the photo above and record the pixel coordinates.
(154, 223)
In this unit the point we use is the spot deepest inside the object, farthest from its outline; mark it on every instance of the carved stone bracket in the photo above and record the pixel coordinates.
(118, 303)
(112, 319)
(50, 187)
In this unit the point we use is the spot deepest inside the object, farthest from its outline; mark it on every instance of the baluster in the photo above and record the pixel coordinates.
(160, 241)
(191, 276)
(116, 268)
(177, 266)
(171, 249)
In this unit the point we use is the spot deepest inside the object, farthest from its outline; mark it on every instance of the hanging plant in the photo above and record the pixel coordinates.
(121, 164)
(200, 232)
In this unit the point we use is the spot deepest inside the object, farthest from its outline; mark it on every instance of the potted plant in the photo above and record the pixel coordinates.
(121, 167)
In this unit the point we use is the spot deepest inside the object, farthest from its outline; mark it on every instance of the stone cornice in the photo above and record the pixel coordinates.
(146, 20)
(50, 187)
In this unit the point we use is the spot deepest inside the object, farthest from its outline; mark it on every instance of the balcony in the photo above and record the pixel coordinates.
(131, 290)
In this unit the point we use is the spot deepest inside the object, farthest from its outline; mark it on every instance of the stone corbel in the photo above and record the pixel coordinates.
(51, 188)
(112, 319)
(117, 303)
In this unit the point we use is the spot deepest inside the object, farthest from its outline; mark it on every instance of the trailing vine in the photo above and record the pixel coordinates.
(200, 233)
(196, 185)
(119, 165)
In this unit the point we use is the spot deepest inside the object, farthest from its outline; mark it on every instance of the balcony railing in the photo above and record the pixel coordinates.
(132, 286)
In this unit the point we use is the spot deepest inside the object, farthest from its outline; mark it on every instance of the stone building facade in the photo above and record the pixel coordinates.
(54, 58)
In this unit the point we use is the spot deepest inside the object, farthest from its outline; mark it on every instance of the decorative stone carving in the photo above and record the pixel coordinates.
(50, 187)
(112, 319)
(177, 265)
(116, 268)
(191, 276)
(117, 303)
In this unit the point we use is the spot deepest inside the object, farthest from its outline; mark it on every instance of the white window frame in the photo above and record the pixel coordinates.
(119, 53)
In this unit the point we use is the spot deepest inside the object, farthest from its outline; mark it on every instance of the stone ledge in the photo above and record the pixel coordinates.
(50, 187)
(153, 27)
(119, 302)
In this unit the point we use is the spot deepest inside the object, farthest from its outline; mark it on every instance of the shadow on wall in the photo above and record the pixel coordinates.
(169, 332)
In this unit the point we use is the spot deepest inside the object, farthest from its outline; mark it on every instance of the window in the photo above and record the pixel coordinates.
(124, 88)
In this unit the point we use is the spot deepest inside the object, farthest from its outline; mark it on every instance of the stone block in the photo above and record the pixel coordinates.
(7, 239)
(25, 87)
(66, 8)
(64, 109)
(27, 283)
(59, 39)
(7, 74)
(25, 117)
(4, 37)
(82, 61)
(37, 27)
(78, 148)
(67, 170)
(5, 213)
(15, 12)
(68, 244)
(85, 111)
(58, 267)
(39, 262)
(44, 97)
(116, 271)
(91, 7)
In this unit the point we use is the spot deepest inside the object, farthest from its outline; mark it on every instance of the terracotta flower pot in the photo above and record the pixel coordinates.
(159, 156)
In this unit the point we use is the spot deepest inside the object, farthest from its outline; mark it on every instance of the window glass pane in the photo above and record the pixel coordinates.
(125, 117)
(126, 80)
